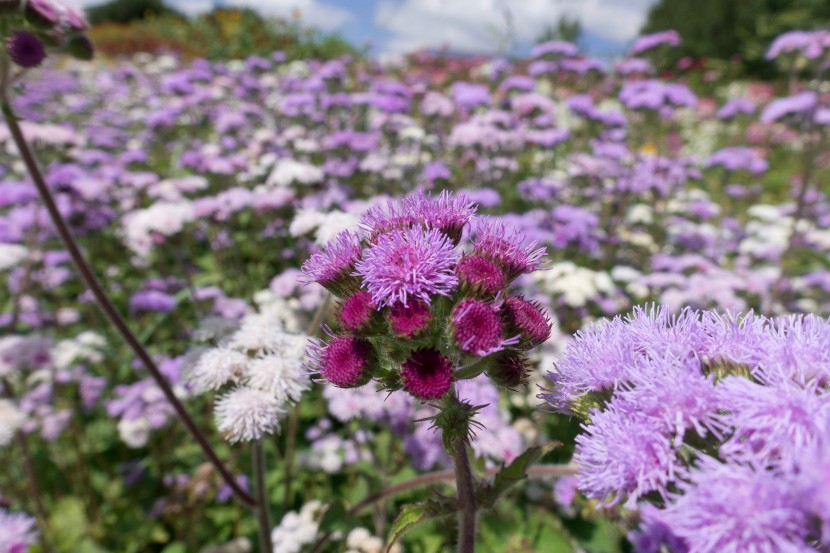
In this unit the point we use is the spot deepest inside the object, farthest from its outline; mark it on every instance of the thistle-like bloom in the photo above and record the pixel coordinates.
(25, 49)
(527, 319)
(510, 370)
(217, 367)
(281, 376)
(246, 414)
(410, 263)
(17, 532)
(427, 374)
(480, 275)
(346, 361)
(407, 321)
(356, 312)
(477, 328)
(734, 508)
(448, 213)
(507, 249)
(332, 267)
(623, 455)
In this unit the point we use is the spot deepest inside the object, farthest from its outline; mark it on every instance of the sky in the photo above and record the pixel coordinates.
(394, 27)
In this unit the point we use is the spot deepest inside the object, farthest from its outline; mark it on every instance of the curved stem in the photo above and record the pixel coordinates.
(465, 488)
(91, 281)
(537, 471)
(262, 511)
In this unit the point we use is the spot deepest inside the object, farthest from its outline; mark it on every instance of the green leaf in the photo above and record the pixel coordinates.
(68, 523)
(513, 473)
(411, 516)
(176, 547)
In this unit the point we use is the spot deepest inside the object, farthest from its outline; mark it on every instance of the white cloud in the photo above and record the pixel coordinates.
(312, 12)
(468, 24)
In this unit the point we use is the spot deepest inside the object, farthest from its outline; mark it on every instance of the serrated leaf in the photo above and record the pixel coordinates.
(514, 472)
(411, 516)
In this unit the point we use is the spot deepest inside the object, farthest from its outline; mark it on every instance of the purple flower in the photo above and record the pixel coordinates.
(810, 44)
(332, 267)
(654, 534)
(469, 96)
(797, 103)
(152, 300)
(409, 320)
(477, 328)
(729, 507)
(17, 532)
(427, 374)
(480, 275)
(527, 319)
(554, 47)
(410, 263)
(346, 361)
(738, 157)
(647, 42)
(624, 455)
(507, 249)
(25, 49)
(356, 311)
(655, 95)
(733, 107)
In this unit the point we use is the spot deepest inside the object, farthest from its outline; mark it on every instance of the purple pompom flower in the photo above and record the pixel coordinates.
(798, 103)
(25, 49)
(624, 455)
(410, 263)
(480, 275)
(477, 328)
(17, 532)
(346, 361)
(507, 249)
(427, 374)
(647, 42)
(729, 507)
(407, 321)
(332, 267)
(356, 312)
(527, 319)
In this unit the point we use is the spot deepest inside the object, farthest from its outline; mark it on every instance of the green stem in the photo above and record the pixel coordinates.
(88, 276)
(263, 513)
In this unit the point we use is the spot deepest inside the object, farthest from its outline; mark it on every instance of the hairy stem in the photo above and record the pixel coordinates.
(91, 281)
(263, 512)
(465, 488)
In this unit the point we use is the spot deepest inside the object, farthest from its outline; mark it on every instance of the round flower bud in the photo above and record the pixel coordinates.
(407, 321)
(477, 327)
(346, 361)
(42, 13)
(80, 47)
(427, 374)
(509, 370)
(480, 275)
(356, 312)
(527, 319)
(25, 49)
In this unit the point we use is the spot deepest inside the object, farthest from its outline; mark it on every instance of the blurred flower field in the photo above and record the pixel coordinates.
(536, 199)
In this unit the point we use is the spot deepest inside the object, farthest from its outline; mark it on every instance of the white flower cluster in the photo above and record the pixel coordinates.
(86, 346)
(143, 227)
(11, 419)
(325, 226)
(360, 540)
(576, 286)
(287, 171)
(264, 364)
(298, 529)
(12, 255)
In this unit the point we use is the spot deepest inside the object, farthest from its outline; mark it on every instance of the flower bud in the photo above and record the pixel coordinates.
(427, 374)
(479, 275)
(527, 319)
(25, 49)
(408, 321)
(346, 361)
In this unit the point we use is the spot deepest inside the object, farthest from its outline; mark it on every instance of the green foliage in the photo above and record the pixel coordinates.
(566, 28)
(721, 30)
(125, 11)
(220, 34)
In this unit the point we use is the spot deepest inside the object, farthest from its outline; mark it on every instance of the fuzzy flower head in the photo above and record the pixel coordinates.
(447, 213)
(356, 311)
(345, 361)
(477, 328)
(507, 249)
(246, 414)
(411, 263)
(407, 321)
(25, 49)
(480, 275)
(332, 267)
(17, 532)
(527, 319)
(427, 374)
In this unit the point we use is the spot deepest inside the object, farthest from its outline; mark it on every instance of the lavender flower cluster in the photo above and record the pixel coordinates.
(414, 307)
(717, 424)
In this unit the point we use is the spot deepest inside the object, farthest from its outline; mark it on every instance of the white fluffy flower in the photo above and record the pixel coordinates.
(259, 333)
(161, 218)
(135, 432)
(11, 255)
(217, 367)
(245, 414)
(305, 221)
(287, 171)
(11, 419)
(280, 375)
(297, 529)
